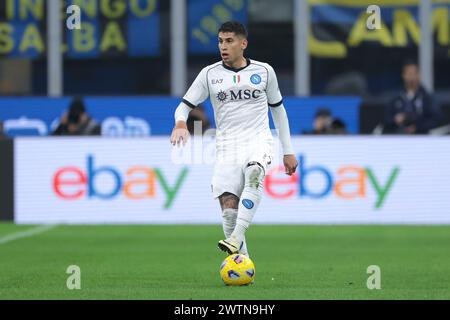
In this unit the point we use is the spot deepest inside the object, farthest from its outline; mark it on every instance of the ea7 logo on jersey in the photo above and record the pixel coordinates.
(216, 81)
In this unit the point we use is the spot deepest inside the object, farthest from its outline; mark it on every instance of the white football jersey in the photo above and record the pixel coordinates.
(240, 98)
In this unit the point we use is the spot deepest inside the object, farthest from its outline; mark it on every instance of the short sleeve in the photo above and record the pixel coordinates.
(198, 91)
(274, 97)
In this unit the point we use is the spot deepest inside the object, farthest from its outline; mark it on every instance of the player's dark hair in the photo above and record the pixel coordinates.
(234, 26)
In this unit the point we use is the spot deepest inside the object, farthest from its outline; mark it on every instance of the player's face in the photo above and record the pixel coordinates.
(231, 47)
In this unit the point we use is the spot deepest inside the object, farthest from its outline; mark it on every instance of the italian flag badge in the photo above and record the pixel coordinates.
(236, 78)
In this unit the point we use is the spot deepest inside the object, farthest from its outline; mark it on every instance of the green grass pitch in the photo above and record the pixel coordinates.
(182, 262)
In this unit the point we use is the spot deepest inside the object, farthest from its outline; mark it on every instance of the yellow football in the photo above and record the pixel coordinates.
(237, 270)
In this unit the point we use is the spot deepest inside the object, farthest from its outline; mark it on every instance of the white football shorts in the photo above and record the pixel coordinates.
(229, 174)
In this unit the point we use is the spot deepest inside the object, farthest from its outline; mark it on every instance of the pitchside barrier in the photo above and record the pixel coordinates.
(353, 179)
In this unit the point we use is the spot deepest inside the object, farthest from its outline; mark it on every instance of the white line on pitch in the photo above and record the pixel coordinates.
(27, 233)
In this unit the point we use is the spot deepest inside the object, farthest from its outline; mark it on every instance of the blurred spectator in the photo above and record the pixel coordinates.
(198, 114)
(412, 111)
(338, 127)
(77, 121)
(322, 122)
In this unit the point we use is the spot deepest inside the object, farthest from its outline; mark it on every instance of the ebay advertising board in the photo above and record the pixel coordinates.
(379, 180)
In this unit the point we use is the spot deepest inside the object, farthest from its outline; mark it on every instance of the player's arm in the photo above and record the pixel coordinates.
(197, 93)
(180, 132)
(281, 122)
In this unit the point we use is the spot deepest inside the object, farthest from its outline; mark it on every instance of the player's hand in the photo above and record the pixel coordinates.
(290, 163)
(180, 134)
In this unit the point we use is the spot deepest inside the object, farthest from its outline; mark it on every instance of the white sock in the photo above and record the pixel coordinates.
(249, 201)
(228, 223)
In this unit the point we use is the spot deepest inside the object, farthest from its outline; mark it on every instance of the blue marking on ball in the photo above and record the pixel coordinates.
(223, 265)
(233, 274)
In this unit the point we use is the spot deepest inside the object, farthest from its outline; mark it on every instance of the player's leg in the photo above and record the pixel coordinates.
(250, 198)
(249, 201)
(227, 184)
(253, 169)
(229, 204)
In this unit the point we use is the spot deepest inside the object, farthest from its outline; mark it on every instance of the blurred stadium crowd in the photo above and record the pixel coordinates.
(124, 50)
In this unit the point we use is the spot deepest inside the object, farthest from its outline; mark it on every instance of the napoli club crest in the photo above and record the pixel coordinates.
(255, 78)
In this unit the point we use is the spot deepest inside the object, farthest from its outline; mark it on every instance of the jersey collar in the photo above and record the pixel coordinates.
(234, 69)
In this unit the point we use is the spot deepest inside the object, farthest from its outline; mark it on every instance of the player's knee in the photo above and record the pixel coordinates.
(254, 175)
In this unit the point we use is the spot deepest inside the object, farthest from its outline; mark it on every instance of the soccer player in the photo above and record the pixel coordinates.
(240, 90)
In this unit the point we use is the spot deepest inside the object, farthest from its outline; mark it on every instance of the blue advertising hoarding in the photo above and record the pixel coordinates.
(143, 116)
